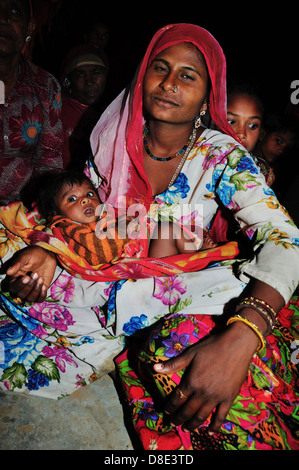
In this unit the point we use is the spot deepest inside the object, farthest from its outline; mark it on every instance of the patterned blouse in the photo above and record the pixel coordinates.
(30, 131)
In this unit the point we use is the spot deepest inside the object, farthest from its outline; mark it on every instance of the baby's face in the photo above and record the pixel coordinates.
(78, 202)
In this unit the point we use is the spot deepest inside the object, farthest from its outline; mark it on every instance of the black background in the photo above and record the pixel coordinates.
(260, 42)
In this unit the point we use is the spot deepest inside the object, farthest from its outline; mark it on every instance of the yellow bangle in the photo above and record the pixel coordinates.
(252, 326)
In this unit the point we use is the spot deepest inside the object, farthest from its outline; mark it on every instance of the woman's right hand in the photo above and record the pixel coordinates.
(215, 369)
(30, 274)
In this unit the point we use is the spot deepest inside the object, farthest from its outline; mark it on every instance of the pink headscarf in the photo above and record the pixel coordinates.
(117, 141)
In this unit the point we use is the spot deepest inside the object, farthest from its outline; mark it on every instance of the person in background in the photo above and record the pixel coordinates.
(245, 113)
(97, 35)
(266, 136)
(30, 117)
(276, 140)
(84, 78)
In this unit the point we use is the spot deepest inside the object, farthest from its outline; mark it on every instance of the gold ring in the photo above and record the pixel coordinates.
(180, 394)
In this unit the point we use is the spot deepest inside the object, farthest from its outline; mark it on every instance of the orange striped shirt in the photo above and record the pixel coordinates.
(82, 239)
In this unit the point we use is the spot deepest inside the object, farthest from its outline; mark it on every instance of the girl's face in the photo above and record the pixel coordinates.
(245, 117)
(78, 202)
(182, 68)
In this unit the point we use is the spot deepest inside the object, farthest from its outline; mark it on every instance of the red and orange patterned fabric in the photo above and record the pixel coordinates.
(28, 227)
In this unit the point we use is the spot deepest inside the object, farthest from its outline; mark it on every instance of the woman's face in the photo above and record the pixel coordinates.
(88, 83)
(179, 68)
(15, 26)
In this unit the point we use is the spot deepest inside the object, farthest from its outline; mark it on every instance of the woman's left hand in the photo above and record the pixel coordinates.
(215, 371)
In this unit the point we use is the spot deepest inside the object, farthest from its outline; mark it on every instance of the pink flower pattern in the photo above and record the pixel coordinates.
(63, 288)
(169, 289)
(56, 316)
(61, 357)
(213, 158)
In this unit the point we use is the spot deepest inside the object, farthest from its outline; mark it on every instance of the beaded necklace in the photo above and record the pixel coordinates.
(161, 159)
(184, 158)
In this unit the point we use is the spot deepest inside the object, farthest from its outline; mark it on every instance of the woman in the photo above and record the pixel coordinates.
(181, 77)
(30, 125)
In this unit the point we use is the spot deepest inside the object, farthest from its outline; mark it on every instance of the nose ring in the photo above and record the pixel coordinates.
(175, 89)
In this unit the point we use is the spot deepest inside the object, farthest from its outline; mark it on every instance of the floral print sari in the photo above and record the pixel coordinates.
(264, 415)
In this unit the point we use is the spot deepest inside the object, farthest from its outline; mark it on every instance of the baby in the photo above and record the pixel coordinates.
(70, 203)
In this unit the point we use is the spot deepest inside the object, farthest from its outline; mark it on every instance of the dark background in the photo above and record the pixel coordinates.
(260, 42)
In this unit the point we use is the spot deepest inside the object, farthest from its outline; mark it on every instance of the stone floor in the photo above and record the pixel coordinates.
(92, 418)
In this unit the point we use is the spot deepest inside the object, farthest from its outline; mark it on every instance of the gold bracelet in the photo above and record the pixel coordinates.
(266, 306)
(258, 308)
(261, 311)
(252, 326)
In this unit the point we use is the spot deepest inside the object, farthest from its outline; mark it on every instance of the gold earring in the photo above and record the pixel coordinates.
(198, 120)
